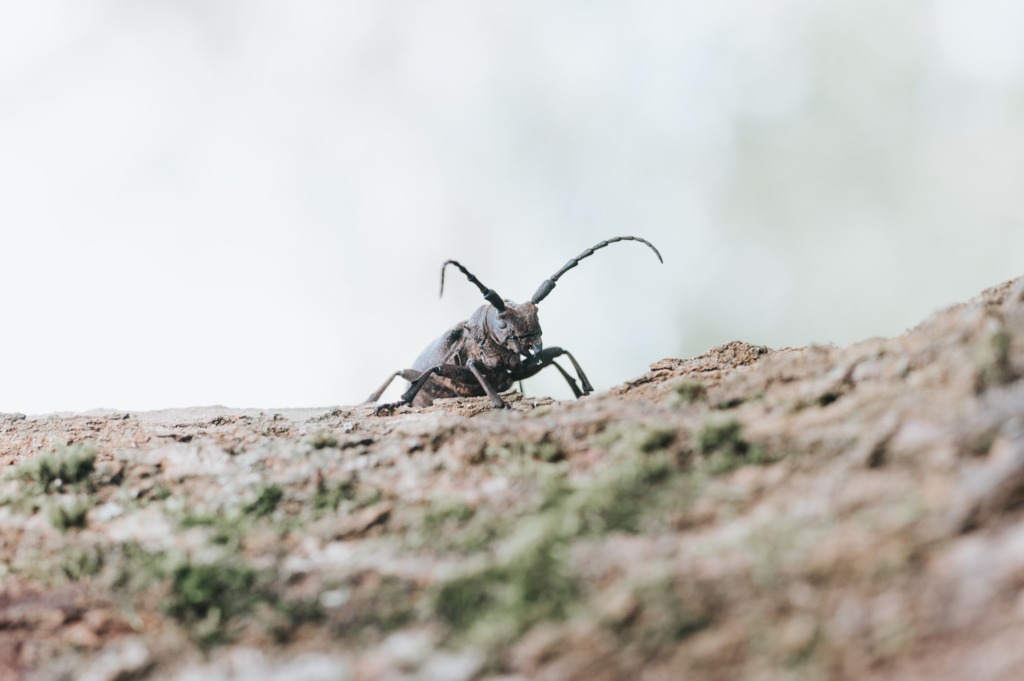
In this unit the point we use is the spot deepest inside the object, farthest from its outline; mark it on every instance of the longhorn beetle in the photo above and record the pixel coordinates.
(499, 345)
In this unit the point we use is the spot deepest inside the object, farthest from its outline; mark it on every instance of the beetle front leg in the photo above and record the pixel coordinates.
(587, 388)
(573, 385)
(547, 357)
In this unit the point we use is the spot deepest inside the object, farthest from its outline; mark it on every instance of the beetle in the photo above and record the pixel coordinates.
(497, 346)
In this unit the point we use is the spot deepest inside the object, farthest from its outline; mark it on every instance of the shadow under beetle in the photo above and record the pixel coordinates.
(499, 345)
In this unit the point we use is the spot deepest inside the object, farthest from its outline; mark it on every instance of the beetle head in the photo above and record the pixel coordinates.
(517, 327)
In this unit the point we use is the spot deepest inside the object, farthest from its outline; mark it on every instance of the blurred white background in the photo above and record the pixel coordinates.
(248, 203)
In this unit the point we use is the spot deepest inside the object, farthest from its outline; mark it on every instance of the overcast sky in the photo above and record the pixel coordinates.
(248, 203)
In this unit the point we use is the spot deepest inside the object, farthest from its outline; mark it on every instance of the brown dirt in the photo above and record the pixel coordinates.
(803, 513)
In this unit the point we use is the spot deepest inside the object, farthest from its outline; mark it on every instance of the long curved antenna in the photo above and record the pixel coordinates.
(492, 297)
(549, 284)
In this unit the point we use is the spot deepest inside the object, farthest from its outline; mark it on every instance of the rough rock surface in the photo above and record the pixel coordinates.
(811, 513)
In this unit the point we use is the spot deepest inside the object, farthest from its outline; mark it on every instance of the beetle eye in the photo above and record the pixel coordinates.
(501, 323)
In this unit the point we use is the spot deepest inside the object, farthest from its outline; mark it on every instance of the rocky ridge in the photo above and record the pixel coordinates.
(802, 513)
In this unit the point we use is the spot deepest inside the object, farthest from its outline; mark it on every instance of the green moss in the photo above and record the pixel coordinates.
(555, 490)
(367, 497)
(214, 600)
(390, 606)
(724, 448)
(450, 524)
(374, 604)
(265, 502)
(656, 439)
(289, 615)
(549, 452)
(62, 465)
(624, 441)
(323, 439)
(328, 496)
(197, 519)
(992, 360)
(205, 596)
(504, 600)
(544, 587)
(198, 590)
(78, 563)
(719, 435)
(644, 483)
(226, 529)
(68, 512)
(690, 390)
(621, 498)
(448, 512)
(664, 618)
(544, 450)
(529, 579)
(464, 600)
(133, 569)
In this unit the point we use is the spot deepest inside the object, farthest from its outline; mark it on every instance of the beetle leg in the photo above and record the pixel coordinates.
(547, 356)
(463, 375)
(491, 392)
(569, 379)
(409, 395)
(587, 388)
(407, 374)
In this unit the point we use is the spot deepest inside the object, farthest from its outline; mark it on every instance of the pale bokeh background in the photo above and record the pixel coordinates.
(248, 203)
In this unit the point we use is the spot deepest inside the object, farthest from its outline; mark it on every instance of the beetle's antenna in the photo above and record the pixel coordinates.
(548, 285)
(492, 297)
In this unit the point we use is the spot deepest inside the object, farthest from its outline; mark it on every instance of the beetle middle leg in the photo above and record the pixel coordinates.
(488, 388)
(416, 378)
(466, 376)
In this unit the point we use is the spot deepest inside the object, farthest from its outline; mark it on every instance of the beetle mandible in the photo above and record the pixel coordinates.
(499, 345)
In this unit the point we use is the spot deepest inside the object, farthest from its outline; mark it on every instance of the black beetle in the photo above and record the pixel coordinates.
(499, 345)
